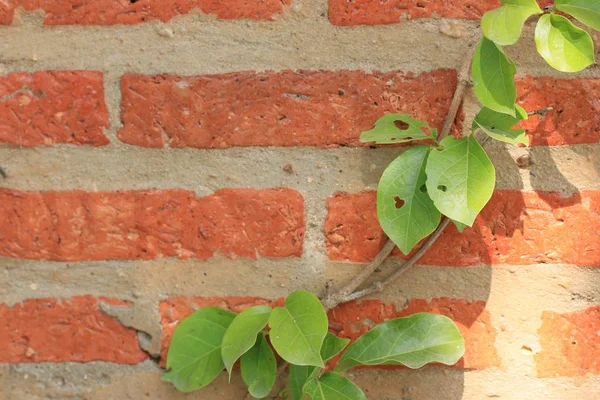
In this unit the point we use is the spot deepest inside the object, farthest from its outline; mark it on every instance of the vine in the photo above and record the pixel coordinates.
(441, 180)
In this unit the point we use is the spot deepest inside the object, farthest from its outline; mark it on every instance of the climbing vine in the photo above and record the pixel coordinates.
(442, 179)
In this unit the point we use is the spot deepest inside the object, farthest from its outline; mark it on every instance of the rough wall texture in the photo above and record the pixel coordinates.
(160, 156)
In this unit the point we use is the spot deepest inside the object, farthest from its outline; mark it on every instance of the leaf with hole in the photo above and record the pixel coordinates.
(493, 77)
(259, 368)
(241, 334)
(194, 357)
(398, 128)
(586, 11)
(503, 25)
(411, 341)
(405, 211)
(460, 178)
(502, 126)
(298, 329)
(564, 46)
(333, 386)
(299, 375)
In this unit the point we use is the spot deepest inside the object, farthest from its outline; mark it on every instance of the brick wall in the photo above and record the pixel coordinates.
(161, 156)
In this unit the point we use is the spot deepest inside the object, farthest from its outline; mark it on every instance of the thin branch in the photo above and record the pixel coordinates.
(541, 111)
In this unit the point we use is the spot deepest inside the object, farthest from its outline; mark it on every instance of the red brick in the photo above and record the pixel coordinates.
(53, 330)
(356, 318)
(51, 107)
(473, 320)
(135, 225)
(111, 12)
(570, 343)
(304, 108)
(515, 228)
(575, 118)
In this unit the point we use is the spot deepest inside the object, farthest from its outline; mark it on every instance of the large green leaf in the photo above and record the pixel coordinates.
(333, 386)
(241, 334)
(586, 11)
(194, 357)
(502, 126)
(564, 46)
(259, 368)
(460, 178)
(504, 24)
(299, 328)
(404, 181)
(493, 77)
(299, 375)
(411, 341)
(398, 128)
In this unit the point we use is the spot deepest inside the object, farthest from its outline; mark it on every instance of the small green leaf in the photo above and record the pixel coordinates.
(460, 227)
(299, 328)
(460, 178)
(333, 386)
(194, 357)
(586, 11)
(387, 130)
(332, 346)
(404, 181)
(299, 375)
(500, 126)
(259, 368)
(493, 78)
(242, 332)
(564, 46)
(411, 341)
(504, 24)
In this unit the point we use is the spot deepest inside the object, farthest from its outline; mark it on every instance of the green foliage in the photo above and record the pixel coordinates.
(387, 131)
(504, 24)
(502, 126)
(460, 178)
(298, 329)
(259, 368)
(493, 77)
(203, 341)
(194, 357)
(333, 386)
(383, 344)
(404, 180)
(586, 11)
(242, 333)
(564, 46)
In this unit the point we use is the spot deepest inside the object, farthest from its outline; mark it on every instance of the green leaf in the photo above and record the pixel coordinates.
(493, 77)
(332, 346)
(504, 24)
(299, 375)
(242, 332)
(460, 178)
(564, 46)
(387, 131)
(459, 226)
(404, 181)
(333, 386)
(194, 357)
(500, 126)
(299, 328)
(259, 368)
(411, 341)
(586, 11)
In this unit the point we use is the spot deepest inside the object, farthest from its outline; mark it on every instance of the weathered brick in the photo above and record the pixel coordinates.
(570, 343)
(575, 118)
(133, 225)
(49, 107)
(303, 108)
(515, 228)
(75, 330)
(356, 318)
(111, 12)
